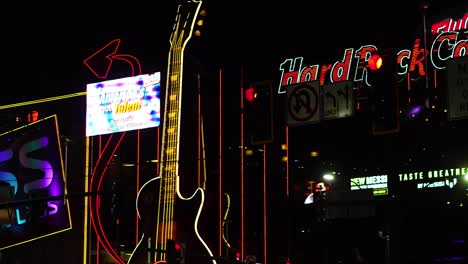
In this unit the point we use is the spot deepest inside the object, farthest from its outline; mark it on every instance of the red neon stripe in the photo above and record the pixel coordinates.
(129, 59)
(116, 43)
(264, 207)
(287, 161)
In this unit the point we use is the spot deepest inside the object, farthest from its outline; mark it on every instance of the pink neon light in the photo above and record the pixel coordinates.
(92, 208)
(264, 205)
(108, 246)
(95, 206)
(450, 25)
(106, 55)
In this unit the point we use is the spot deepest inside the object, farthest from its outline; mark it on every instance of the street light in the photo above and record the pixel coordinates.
(329, 177)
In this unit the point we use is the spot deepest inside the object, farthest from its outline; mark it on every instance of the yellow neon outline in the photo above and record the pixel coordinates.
(168, 212)
(139, 216)
(86, 208)
(228, 206)
(38, 101)
(195, 223)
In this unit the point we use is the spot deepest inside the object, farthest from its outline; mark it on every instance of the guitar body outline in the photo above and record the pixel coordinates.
(140, 253)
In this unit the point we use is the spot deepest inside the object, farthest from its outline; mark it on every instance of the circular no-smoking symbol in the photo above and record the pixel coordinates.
(303, 102)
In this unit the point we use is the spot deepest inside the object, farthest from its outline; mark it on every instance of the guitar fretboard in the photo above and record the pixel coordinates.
(170, 146)
(169, 158)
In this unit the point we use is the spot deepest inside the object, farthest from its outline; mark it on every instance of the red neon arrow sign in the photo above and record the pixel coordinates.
(106, 55)
(94, 62)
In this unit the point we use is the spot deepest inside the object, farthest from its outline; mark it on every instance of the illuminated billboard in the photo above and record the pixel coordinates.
(31, 170)
(450, 178)
(123, 104)
(447, 177)
(369, 182)
(379, 184)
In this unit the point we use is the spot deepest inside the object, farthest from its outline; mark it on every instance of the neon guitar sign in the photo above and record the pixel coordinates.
(159, 200)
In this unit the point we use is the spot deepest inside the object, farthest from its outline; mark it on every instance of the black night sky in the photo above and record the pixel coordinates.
(46, 43)
(55, 37)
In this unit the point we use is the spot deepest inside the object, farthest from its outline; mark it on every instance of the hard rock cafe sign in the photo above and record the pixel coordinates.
(450, 40)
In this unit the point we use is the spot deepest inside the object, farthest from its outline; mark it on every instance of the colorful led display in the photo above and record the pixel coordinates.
(124, 104)
(31, 166)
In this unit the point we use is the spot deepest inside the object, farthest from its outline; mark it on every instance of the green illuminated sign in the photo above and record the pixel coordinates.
(369, 182)
(432, 174)
(444, 183)
(377, 192)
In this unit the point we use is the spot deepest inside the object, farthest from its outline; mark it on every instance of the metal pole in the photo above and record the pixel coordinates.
(148, 258)
(385, 234)
(387, 249)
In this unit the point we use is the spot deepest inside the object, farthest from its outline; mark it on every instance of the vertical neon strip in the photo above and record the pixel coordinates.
(158, 148)
(98, 241)
(199, 134)
(289, 243)
(287, 162)
(85, 219)
(137, 219)
(264, 207)
(220, 217)
(242, 160)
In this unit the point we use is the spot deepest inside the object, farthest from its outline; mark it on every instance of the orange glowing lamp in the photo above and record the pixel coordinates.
(375, 62)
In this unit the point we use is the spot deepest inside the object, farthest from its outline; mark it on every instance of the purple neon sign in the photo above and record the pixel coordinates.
(31, 165)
